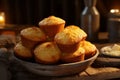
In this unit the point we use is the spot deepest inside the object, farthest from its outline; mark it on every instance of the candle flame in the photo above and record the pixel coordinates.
(1, 18)
(114, 10)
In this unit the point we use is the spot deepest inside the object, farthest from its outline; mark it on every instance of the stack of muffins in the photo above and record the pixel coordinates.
(52, 42)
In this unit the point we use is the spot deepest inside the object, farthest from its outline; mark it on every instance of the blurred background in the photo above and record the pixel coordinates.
(32, 11)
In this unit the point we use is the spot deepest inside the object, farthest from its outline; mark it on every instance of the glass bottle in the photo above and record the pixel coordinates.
(90, 19)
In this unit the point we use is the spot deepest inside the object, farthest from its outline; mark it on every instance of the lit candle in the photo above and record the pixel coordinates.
(114, 25)
(114, 13)
(114, 10)
(2, 18)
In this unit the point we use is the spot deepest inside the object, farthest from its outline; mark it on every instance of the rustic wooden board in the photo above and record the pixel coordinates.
(94, 73)
(107, 62)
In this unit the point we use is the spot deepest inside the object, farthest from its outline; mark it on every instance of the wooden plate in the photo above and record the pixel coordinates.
(109, 52)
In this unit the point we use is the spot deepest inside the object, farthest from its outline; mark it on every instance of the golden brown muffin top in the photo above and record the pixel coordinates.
(22, 51)
(74, 56)
(78, 52)
(51, 20)
(47, 52)
(33, 33)
(70, 35)
(88, 46)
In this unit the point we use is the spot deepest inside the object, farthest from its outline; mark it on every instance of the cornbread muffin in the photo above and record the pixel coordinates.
(31, 36)
(47, 53)
(22, 51)
(52, 25)
(68, 40)
(90, 49)
(76, 56)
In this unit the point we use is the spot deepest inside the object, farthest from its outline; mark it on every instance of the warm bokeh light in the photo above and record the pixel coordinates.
(2, 18)
(114, 10)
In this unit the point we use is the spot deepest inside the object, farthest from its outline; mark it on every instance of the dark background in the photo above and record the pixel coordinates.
(32, 11)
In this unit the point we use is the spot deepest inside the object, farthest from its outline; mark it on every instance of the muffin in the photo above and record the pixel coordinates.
(76, 56)
(47, 53)
(52, 25)
(22, 51)
(90, 49)
(68, 40)
(32, 36)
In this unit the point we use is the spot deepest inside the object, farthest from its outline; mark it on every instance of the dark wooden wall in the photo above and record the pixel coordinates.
(32, 11)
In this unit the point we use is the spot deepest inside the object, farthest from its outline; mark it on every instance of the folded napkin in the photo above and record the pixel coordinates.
(7, 41)
(4, 64)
